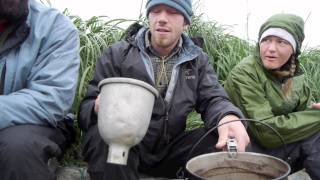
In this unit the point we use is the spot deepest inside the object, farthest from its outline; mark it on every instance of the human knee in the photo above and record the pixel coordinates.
(13, 147)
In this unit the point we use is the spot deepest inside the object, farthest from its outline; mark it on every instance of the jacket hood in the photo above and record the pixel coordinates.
(294, 25)
(291, 23)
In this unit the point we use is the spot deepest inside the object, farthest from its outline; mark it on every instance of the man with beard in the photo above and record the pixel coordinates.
(39, 64)
(166, 58)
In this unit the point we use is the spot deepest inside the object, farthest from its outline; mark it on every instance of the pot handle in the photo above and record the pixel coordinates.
(232, 147)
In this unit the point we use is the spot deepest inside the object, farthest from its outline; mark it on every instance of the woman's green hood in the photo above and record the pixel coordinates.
(289, 22)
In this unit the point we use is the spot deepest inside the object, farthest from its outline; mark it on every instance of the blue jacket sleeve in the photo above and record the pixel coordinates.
(49, 87)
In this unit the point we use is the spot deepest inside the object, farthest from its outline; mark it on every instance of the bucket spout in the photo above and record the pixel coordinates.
(118, 154)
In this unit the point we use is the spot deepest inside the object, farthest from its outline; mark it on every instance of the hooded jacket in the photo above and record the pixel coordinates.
(193, 85)
(41, 68)
(258, 92)
(259, 95)
(289, 22)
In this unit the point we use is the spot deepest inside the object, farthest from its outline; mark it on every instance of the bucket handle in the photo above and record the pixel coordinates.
(180, 172)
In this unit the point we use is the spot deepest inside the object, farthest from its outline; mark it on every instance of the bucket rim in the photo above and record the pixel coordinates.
(187, 166)
(124, 80)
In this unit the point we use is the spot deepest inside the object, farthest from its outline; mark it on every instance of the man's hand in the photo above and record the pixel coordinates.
(315, 105)
(233, 129)
(96, 104)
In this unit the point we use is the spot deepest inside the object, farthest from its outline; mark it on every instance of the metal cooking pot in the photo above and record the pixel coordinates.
(233, 165)
(245, 166)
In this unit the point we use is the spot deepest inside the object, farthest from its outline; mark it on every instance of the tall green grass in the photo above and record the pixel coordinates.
(224, 50)
(310, 61)
(95, 34)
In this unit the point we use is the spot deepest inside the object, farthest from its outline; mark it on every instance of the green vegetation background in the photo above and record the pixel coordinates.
(224, 50)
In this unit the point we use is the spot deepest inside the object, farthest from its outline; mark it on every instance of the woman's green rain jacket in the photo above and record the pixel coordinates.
(258, 94)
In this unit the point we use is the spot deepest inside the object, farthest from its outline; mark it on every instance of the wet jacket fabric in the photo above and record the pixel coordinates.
(193, 85)
(258, 94)
(41, 69)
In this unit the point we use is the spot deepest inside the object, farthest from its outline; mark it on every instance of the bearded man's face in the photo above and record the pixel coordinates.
(12, 10)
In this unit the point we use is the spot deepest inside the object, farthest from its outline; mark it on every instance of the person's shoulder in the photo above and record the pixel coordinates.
(246, 63)
(130, 37)
(119, 48)
(248, 66)
(300, 79)
(120, 45)
(37, 9)
(202, 55)
(43, 15)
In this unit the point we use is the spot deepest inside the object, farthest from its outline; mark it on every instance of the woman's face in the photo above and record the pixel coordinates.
(274, 52)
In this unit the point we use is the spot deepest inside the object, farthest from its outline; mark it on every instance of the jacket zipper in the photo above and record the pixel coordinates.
(166, 124)
(167, 109)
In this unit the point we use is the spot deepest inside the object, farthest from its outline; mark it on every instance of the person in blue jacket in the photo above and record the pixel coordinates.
(39, 64)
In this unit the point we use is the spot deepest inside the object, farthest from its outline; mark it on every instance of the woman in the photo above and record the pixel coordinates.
(269, 86)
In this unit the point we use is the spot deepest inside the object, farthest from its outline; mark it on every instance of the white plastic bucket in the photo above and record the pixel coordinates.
(124, 114)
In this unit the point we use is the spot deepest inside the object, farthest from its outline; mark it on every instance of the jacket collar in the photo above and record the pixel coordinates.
(19, 32)
(16, 36)
(272, 76)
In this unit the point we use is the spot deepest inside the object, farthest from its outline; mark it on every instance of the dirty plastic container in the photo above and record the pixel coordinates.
(125, 110)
